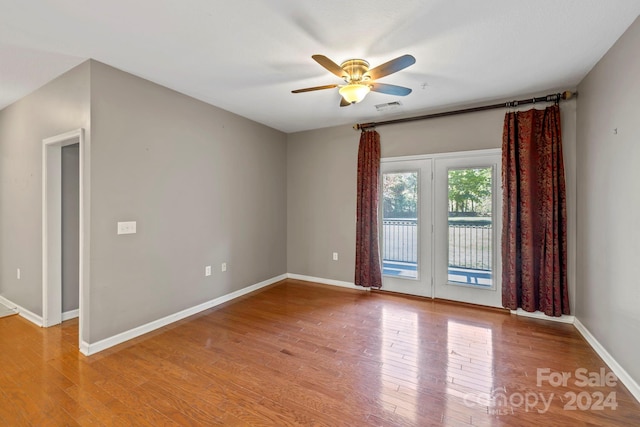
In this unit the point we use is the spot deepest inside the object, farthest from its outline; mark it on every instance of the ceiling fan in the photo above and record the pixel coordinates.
(360, 79)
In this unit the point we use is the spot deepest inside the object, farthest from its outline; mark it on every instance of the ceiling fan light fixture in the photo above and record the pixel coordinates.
(354, 93)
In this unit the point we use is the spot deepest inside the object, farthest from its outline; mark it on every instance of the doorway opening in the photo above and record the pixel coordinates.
(55, 214)
(70, 231)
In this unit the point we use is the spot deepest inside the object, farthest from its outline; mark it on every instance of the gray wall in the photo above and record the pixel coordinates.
(609, 201)
(70, 227)
(321, 182)
(205, 187)
(59, 106)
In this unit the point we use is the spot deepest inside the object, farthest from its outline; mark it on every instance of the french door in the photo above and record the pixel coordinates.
(406, 229)
(440, 226)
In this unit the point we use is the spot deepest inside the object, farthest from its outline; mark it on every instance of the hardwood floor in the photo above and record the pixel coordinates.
(298, 353)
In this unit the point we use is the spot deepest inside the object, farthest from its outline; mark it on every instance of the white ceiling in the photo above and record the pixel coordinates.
(246, 56)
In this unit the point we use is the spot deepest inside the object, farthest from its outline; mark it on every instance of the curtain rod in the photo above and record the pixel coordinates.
(556, 97)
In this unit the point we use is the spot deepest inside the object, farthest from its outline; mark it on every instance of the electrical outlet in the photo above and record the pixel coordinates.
(18, 274)
(207, 270)
(335, 256)
(223, 267)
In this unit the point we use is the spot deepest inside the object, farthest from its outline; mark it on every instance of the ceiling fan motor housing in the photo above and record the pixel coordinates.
(356, 70)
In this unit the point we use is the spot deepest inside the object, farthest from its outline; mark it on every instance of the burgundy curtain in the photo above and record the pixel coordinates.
(368, 272)
(534, 229)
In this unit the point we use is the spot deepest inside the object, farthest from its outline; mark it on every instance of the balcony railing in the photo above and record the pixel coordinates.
(469, 244)
(400, 239)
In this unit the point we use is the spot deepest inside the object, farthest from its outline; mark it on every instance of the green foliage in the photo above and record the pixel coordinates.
(400, 195)
(470, 190)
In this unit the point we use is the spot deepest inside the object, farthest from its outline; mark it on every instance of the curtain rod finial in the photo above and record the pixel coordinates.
(356, 127)
(567, 94)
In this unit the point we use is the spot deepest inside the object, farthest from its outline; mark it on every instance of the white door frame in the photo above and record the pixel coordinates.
(52, 228)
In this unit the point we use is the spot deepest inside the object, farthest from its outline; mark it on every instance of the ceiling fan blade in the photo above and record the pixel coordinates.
(390, 89)
(310, 89)
(330, 65)
(344, 102)
(391, 67)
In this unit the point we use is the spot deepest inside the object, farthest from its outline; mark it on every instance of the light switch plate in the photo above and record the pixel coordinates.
(126, 227)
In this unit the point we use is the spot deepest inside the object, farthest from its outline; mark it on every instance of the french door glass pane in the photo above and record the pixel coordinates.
(470, 226)
(400, 224)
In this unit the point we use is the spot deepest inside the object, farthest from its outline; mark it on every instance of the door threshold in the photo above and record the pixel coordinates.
(444, 301)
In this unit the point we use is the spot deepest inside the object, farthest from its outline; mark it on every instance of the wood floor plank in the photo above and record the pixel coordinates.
(304, 354)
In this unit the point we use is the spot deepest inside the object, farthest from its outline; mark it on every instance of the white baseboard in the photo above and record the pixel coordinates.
(71, 314)
(84, 347)
(92, 348)
(620, 372)
(34, 318)
(540, 315)
(8, 303)
(325, 281)
(30, 316)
